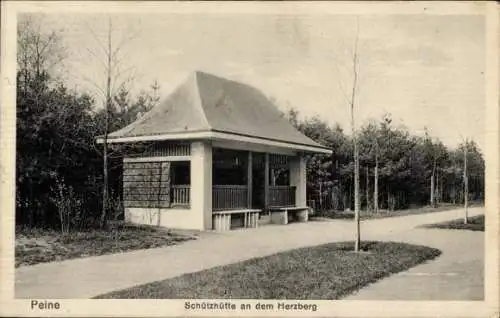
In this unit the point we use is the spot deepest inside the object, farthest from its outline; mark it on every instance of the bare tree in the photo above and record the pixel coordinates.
(106, 127)
(433, 153)
(466, 185)
(352, 105)
(39, 52)
(367, 188)
(351, 100)
(110, 57)
(355, 70)
(375, 177)
(433, 182)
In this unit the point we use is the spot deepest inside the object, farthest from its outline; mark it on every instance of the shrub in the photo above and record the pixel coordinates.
(68, 205)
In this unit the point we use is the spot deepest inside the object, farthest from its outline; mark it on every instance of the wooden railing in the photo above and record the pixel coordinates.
(281, 196)
(180, 194)
(227, 197)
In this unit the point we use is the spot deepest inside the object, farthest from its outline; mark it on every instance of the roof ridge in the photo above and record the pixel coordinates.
(199, 98)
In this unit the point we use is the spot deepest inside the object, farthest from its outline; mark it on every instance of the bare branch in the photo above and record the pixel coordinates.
(50, 40)
(117, 62)
(97, 58)
(96, 86)
(95, 37)
(363, 44)
(122, 43)
(124, 71)
(341, 87)
(355, 69)
(126, 81)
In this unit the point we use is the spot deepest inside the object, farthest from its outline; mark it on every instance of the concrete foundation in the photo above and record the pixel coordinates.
(284, 215)
(302, 215)
(279, 217)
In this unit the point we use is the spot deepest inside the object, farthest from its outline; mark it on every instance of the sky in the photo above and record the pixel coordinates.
(425, 70)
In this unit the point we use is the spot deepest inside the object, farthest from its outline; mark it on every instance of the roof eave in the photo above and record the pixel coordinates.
(217, 135)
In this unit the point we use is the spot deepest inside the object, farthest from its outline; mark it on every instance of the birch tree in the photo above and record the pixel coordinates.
(369, 145)
(109, 55)
(351, 99)
(466, 185)
(375, 176)
(433, 150)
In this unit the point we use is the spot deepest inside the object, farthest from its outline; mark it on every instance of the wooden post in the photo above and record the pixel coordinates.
(249, 180)
(201, 184)
(158, 194)
(266, 181)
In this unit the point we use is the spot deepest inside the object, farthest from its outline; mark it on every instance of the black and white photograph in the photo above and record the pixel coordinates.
(238, 158)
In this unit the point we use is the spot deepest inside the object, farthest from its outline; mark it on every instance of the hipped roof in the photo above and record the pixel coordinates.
(208, 103)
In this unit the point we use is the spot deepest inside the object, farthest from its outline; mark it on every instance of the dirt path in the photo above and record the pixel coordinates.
(88, 277)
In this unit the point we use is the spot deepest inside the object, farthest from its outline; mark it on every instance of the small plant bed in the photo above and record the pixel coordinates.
(367, 215)
(475, 223)
(329, 271)
(35, 246)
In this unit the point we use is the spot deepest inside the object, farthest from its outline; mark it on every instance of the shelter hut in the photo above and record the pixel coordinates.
(215, 154)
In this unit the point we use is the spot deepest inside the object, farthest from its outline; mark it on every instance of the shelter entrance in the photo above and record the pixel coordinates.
(250, 180)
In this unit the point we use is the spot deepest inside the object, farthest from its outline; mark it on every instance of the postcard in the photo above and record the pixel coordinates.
(249, 159)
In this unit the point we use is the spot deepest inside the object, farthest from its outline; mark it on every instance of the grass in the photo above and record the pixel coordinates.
(365, 215)
(329, 271)
(475, 223)
(35, 246)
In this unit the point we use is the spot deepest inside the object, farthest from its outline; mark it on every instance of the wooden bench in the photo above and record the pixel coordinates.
(281, 215)
(221, 220)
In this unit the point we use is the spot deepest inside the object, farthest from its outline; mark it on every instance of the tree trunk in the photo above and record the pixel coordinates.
(31, 206)
(444, 192)
(357, 240)
(438, 191)
(453, 195)
(466, 187)
(355, 64)
(350, 196)
(106, 128)
(433, 185)
(375, 190)
(105, 179)
(432, 190)
(320, 197)
(344, 200)
(388, 199)
(367, 189)
(356, 197)
(454, 189)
